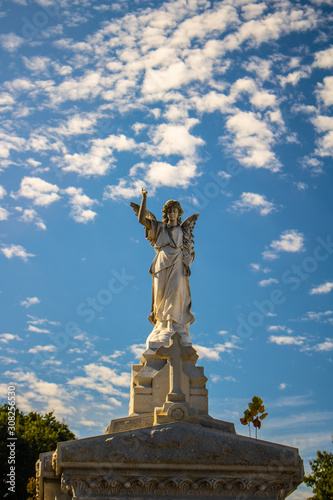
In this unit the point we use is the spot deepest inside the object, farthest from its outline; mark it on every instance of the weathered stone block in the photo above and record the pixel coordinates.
(176, 460)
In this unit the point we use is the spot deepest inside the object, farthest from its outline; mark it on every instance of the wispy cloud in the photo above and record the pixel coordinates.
(269, 281)
(30, 215)
(11, 42)
(290, 241)
(30, 301)
(253, 201)
(39, 191)
(213, 353)
(325, 346)
(42, 348)
(284, 340)
(80, 204)
(324, 58)
(102, 379)
(32, 328)
(279, 328)
(37, 392)
(12, 250)
(322, 289)
(7, 337)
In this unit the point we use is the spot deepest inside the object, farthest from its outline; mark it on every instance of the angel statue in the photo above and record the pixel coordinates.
(170, 270)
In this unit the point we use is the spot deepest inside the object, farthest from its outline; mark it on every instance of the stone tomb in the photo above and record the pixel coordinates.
(168, 447)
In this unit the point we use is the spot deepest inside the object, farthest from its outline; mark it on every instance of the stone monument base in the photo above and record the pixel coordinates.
(177, 460)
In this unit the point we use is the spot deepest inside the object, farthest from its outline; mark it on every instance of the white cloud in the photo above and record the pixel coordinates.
(251, 141)
(207, 352)
(301, 186)
(262, 67)
(259, 98)
(35, 329)
(214, 101)
(37, 64)
(290, 241)
(8, 361)
(163, 174)
(124, 189)
(16, 251)
(79, 203)
(6, 337)
(322, 289)
(324, 58)
(6, 101)
(269, 255)
(102, 379)
(99, 159)
(3, 192)
(30, 301)
(254, 201)
(10, 142)
(85, 87)
(257, 267)
(253, 10)
(213, 352)
(313, 164)
(170, 139)
(111, 357)
(318, 316)
(41, 321)
(4, 214)
(78, 124)
(30, 215)
(39, 191)
(325, 143)
(137, 349)
(87, 423)
(42, 348)
(20, 84)
(283, 386)
(283, 340)
(154, 175)
(11, 42)
(277, 328)
(272, 26)
(325, 346)
(325, 90)
(35, 392)
(270, 281)
(294, 77)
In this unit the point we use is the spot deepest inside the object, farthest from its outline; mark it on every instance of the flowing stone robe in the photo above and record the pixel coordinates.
(171, 297)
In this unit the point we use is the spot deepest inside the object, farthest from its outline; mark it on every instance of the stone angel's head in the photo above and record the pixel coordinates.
(168, 207)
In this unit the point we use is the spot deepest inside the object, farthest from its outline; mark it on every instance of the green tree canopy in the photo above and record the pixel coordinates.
(36, 433)
(321, 479)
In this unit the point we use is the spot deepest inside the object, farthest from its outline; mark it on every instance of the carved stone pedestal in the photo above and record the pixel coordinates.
(172, 461)
(169, 447)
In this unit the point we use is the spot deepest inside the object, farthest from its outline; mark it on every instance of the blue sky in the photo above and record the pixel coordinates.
(225, 106)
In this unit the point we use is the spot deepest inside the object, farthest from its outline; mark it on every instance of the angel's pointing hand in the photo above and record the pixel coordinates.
(144, 192)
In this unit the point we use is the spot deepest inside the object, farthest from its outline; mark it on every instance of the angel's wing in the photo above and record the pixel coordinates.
(188, 241)
(136, 208)
(189, 223)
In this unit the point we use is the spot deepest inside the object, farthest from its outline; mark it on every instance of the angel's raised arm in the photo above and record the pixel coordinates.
(144, 216)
